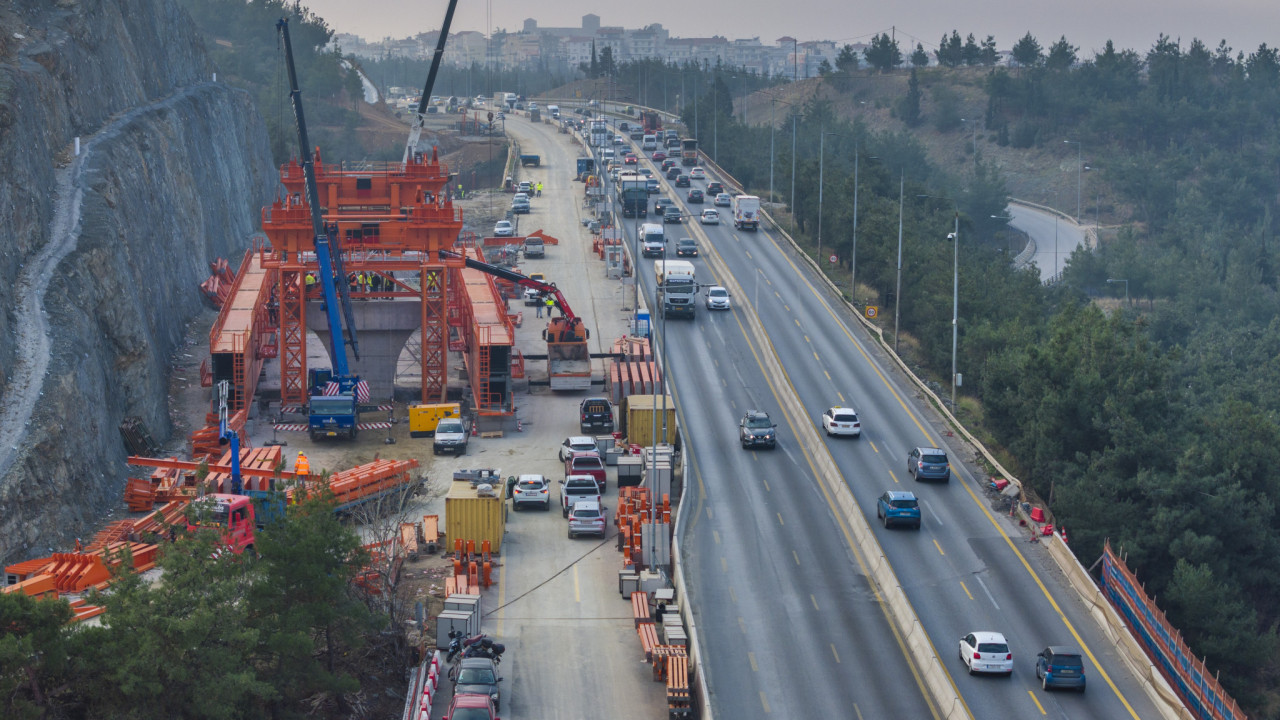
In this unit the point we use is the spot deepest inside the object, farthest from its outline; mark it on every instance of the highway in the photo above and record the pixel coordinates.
(1055, 237)
(765, 544)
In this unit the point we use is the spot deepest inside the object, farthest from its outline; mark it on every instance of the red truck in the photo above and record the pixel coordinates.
(652, 122)
(231, 514)
(586, 463)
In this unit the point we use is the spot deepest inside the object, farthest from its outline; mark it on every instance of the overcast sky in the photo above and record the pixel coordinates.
(1087, 24)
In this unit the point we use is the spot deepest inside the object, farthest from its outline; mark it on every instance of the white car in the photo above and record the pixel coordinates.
(724, 200)
(503, 228)
(717, 298)
(697, 174)
(525, 187)
(531, 490)
(577, 443)
(986, 652)
(709, 217)
(841, 421)
(618, 140)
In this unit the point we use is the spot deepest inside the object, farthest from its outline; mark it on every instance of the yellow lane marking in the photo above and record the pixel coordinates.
(806, 339)
(873, 444)
(733, 597)
(824, 372)
(764, 702)
(895, 477)
(841, 395)
(1035, 700)
(966, 589)
(788, 307)
(724, 566)
(935, 544)
(797, 557)
(780, 519)
(742, 625)
(708, 512)
(815, 357)
(716, 534)
(835, 654)
(577, 590)
(747, 253)
(814, 600)
(751, 658)
(797, 321)
(766, 485)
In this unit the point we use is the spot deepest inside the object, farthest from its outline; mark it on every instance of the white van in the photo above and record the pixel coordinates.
(653, 240)
(649, 143)
(554, 110)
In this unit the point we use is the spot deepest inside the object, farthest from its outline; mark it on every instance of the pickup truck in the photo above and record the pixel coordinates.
(575, 488)
(589, 464)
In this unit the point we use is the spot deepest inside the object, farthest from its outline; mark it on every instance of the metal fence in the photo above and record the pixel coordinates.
(1199, 689)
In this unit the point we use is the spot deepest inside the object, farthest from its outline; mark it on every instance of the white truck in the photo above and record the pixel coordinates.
(746, 212)
(600, 135)
(653, 240)
(677, 287)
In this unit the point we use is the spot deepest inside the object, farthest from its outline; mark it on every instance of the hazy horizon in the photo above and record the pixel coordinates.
(1244, 24)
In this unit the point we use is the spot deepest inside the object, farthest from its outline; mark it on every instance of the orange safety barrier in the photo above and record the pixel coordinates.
(648, 638)
(486, 574)
(678, 701)
(640, 607)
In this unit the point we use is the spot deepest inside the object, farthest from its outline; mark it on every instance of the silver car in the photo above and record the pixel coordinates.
(717, 298)
(587, 518)
(531, 490)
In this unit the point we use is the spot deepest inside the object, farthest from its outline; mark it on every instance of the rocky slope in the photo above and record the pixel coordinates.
(98, 276)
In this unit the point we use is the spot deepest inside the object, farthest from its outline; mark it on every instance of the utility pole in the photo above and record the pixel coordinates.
(897, 297)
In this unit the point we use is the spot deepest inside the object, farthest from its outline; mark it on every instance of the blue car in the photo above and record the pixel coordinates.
(926, 463)
(1059, 666)
(897, 507)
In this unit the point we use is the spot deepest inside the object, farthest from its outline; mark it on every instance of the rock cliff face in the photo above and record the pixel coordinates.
(98, 273)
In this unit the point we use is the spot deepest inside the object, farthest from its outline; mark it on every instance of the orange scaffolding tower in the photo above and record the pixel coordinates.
(244, 335)
(487, 336)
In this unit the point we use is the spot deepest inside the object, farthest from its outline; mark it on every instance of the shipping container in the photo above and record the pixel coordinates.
(639, 414)
(471, 516)
(424, 418)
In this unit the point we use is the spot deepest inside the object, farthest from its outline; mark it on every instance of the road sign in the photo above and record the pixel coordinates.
(834, 259)
(872, 311)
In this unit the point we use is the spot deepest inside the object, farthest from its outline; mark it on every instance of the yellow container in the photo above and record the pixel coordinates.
(424, 418)
(472, 517)
(640, 412)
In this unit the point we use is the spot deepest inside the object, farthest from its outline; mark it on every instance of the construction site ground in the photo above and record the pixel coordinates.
(572, 650)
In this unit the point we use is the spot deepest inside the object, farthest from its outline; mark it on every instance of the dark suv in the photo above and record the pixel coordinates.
(926, 463)
(478, 676)
(1060, 666)
(756, 429)
(596, 413)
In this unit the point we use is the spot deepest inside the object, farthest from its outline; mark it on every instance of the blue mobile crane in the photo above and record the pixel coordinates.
(329, 414)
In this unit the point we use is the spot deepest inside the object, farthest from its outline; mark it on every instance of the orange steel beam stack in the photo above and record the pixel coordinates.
(245, 332)
(488, 336)
(389, 217)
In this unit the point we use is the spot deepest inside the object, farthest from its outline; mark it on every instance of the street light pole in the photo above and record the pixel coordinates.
(853, 255)
(954, 237)
(1079, 171)
(793, 172)
(822, 138)
(772, 106)
(897, 296)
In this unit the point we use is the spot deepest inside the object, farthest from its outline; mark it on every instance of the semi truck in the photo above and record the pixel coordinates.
(600, 135)
(677, 287)
(689, 151)
(634, 193)
(746, 212)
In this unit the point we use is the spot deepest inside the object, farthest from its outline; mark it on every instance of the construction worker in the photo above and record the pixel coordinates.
(539, 188)
(538, 307)
(302, 466)
(310, 280)
(550, 302)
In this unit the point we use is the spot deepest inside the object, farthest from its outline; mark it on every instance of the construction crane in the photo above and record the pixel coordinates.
(420, 117)
(333, 410)
(568, 357)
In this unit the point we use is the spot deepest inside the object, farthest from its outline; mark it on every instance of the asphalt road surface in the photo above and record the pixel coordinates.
(1055, 238)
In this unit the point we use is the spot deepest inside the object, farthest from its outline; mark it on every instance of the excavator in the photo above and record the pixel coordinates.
(568, 357)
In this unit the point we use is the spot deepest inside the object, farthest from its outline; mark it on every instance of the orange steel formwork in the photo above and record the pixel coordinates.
(389, 218)
(244, 335)
(487, 334)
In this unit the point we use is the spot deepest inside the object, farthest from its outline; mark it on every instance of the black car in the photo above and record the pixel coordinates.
(756, 429)
(686, 247)
(682, 181)
(714, 188)
(596, 413)
(695, 197)
(479, 676)
(661, 204)
(671, 214)
(673, 173)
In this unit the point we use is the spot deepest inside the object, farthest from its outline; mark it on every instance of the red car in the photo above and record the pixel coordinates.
(659, 155)
(630, 159)
(586, 463)
(470, 706)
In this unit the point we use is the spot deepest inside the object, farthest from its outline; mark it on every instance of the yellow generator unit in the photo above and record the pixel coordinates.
(424, 418)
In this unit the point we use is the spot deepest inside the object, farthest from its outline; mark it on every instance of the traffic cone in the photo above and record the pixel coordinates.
(1063, 531)
(475, 432)
(519, 425)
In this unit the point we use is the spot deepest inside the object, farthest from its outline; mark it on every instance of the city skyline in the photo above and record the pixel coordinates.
(1244, 24)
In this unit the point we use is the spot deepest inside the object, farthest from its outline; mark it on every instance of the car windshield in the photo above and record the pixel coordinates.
(845, 417)
(449, 426)
(530, 484)
(993, 648)
(756, 423)
(585, 514)
(476, 676)
(718, 292)
(471, 714)
(934, 458)
(903, 503)
(587, 463)
(654, 238)
(1068, 661)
